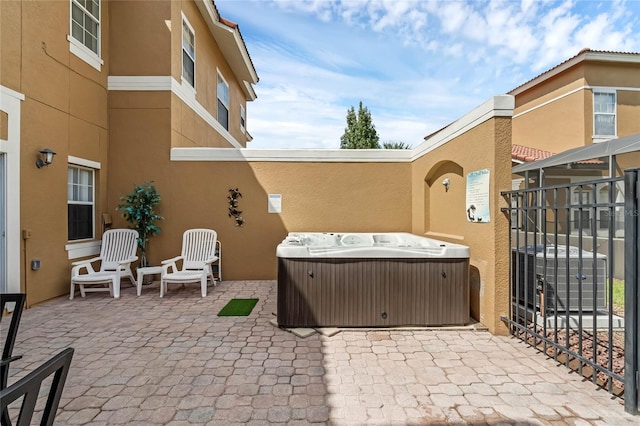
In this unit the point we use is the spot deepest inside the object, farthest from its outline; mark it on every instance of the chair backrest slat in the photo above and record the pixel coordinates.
(117, 245)
(198, 245)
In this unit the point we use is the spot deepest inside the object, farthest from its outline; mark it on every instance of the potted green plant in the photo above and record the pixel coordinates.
(138, 209)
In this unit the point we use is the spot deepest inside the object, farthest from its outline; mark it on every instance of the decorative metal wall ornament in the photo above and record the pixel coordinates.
(234, 194)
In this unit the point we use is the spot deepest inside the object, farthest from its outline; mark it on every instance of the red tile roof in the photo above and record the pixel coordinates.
(233, 26)
(527, 154)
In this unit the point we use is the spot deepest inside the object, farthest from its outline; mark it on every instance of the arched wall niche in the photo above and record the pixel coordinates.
(444, 204)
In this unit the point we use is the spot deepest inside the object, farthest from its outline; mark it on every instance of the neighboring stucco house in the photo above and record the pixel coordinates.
(589, 98)
(90, 80)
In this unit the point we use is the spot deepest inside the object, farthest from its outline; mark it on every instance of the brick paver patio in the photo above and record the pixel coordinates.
(145, 360)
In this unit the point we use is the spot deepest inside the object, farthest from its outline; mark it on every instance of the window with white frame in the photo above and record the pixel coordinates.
(188, 53)
(84, 31)
(223, 102)
(85, 23)
(80, 202)
(243, 117)
(604, 113)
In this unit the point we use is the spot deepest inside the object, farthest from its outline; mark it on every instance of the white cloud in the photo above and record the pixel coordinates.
(417, 65)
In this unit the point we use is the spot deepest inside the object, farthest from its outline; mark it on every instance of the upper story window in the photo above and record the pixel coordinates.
(188, 53)
(243, 117)
(85, 23)
(84, 40)
(80, 202)
(223, 102)
(604, 113)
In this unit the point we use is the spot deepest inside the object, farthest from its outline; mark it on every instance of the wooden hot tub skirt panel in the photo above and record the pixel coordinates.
(343, 292)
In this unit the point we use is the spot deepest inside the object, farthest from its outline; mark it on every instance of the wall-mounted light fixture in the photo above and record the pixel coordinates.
(46, 158)
(446, 183)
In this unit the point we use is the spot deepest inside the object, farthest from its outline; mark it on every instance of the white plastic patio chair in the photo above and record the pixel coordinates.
(198, 253)
(116, 254)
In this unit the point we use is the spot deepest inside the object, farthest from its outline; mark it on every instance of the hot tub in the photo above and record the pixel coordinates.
(371, 280)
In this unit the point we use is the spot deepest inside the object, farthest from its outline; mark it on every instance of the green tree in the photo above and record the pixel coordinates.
(138, 209)
(395, 145)
(360, 132)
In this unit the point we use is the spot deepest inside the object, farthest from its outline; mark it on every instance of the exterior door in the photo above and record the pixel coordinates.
(3, 226)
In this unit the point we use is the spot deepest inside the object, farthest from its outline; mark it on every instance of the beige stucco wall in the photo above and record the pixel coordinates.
(65, 109)
(442, 214)
(10, 43)
(628, 111)
(557, 114)
(540, 128)
(189, 129)
(140, 37)
(315, 196)
(209, 61)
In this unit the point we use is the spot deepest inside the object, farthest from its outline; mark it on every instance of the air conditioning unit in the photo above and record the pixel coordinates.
(568, 278)
(523, 276)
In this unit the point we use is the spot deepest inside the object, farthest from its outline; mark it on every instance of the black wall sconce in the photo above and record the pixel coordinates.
(46, 158)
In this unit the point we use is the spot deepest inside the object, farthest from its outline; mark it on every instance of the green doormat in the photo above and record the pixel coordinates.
(238, 308)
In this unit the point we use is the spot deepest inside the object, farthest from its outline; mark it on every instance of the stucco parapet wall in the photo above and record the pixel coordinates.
(292, 155)
(498, 106)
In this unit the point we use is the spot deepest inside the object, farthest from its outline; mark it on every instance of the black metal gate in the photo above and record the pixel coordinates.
(575, 251)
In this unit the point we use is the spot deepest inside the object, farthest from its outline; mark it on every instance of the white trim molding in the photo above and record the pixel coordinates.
(139, 83)
(85, 54)
(550, 101)
(11, 104)
(292, 155)
(83, 162)
(84, 249)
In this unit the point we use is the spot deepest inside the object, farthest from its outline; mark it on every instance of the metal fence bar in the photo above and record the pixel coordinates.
(609, 279)
(544, 258)
(594, 284)
(632, 293)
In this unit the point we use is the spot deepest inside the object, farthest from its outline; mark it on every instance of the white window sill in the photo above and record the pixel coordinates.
(602, 138)
(188, 89)
(85, 249)
(85, 54)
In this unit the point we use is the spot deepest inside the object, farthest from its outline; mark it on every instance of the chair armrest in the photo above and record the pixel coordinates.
(83, 262)
(170, 264)
(210, 260)
(172, 260)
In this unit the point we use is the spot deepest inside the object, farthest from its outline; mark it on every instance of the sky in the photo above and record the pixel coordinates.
(416, 65)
